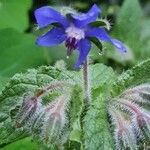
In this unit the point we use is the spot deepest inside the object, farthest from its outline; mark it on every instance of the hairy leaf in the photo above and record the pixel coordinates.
(96, 127)
(137, 75)
(101, 75)
(96, 133)
(75, 114)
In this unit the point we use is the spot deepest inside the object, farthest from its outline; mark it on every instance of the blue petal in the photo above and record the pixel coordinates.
(82, 20)
(47, 15)
(54, 37)
(101, 34)
(84, 47)
(119, 45)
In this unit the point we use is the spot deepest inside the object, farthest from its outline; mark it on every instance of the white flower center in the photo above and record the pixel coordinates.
(73, 32)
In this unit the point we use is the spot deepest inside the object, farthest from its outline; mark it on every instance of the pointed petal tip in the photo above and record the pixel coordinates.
(81, 20)
(119, 45)
(39, 43)
(78, 65)
(96, 8)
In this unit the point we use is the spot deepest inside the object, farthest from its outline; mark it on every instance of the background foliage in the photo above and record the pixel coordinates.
(130, 23)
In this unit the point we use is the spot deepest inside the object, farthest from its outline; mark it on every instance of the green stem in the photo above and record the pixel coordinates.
(86, 83)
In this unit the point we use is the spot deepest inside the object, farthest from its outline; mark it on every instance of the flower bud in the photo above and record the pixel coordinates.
(38, 123)
(140, 118)
(28, 111)
(138, 94)
(132, 114)
(55, 121)
(123, 133)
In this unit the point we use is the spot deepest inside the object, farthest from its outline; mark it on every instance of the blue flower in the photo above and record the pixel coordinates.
(75, 30)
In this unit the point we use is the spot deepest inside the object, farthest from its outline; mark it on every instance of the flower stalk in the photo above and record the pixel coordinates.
(86, 83)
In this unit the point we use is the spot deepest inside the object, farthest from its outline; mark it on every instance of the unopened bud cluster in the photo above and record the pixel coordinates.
(130, 117)
(47, 123)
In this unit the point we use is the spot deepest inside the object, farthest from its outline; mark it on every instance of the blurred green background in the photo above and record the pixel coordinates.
(130, 23)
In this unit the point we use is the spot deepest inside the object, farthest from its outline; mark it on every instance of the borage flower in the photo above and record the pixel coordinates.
(76, 30)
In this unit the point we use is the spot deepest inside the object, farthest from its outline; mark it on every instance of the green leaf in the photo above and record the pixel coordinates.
(18, 52)
(75, 117)
(101, 75)
(14, 13)
(137, 75)
(96, 127)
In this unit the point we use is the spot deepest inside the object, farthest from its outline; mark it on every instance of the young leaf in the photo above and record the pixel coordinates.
(76, 106)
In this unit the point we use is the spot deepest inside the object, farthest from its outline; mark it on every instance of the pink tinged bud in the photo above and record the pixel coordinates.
(54, 87)
(123, 134)
(131, 117)
(36, 128)
(55, 121)
(145, 96)
(140, 118)
(138, 94)
(28, 111)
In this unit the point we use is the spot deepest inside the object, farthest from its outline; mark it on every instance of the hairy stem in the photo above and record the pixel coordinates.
(86, 82)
